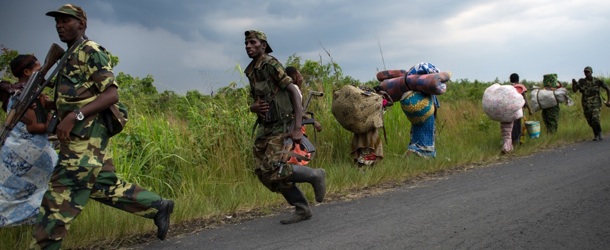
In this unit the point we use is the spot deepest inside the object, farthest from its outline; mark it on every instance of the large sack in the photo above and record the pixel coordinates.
(546, 98)
(503, 103)
(357, 110)
(431, 84)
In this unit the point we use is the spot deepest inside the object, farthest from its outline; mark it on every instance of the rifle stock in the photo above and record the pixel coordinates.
(54, 54)
(33, 88)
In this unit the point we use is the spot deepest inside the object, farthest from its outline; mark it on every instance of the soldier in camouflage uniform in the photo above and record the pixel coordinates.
(84, 87)
(591, 99)
(277, 102)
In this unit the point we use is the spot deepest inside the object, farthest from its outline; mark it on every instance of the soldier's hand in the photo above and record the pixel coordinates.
(296, 135)
(608, 103)
(260, 107)
(65, 126)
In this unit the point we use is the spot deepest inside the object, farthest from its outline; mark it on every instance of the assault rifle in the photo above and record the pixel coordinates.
(288, 144)
(33, 88)
(310, 120)
(305, 142)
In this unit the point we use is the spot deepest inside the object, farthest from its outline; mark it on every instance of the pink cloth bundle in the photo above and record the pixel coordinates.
(431, 84)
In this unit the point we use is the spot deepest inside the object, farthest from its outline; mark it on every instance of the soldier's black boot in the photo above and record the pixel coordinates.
(295, 197)
(162, 218)
(314, 176)
(597, 131)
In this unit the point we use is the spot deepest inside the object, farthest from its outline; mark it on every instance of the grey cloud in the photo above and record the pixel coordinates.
(192, 44)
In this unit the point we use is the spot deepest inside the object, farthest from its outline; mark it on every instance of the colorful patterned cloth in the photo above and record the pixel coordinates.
(423, 68)
(27, 163)
(367, 147)
(422, 139)
(550, 81)
(423, 130)
(417, 106)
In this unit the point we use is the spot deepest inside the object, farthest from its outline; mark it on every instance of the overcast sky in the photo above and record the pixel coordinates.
(197, 44)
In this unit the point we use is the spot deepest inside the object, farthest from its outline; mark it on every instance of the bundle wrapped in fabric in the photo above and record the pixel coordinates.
(395, 87)
(417, 106)
(357, 110)
(389, 74)
(550, 81)
(547, 98)
(503, 103)
(431, 84)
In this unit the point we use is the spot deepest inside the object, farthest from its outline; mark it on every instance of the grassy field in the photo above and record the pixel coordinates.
(199, 154)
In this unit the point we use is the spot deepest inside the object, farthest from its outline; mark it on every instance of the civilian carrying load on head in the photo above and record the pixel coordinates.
(357, 110)
(551, 95)
(503, 103)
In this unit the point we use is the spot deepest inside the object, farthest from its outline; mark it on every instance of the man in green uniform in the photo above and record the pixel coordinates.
(84, 87)
(592, 99)
(277, 102)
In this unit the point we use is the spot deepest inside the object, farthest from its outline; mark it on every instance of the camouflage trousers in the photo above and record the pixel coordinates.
(592, 114)
(271, 167)
(85, 172)
(550, 117)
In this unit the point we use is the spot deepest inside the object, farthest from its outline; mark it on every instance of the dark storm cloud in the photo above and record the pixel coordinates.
(193, 44)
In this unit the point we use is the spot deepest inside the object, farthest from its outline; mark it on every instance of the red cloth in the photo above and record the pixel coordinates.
(520, 88)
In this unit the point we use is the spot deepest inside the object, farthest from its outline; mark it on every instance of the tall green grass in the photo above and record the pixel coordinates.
(199, 153)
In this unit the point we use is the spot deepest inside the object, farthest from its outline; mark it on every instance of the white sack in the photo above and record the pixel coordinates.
(503, 103)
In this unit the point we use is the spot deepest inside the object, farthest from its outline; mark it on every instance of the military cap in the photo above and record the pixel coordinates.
(260, 36)
(70, 10)
(588, 68)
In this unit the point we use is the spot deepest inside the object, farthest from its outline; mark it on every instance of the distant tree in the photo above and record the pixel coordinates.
(5, 58)
(136, 86)
(294, 61)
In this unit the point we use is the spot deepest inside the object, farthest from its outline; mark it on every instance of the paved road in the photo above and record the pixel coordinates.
(557, 199)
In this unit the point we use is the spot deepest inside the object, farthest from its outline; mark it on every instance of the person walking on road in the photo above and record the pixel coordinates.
(277, 103)
(85, 169)
(592, 99)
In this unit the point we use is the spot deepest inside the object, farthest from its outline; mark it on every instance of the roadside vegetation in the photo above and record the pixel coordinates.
(196, 149)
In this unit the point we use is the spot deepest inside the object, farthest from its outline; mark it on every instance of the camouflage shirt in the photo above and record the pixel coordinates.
(268, 78)
(590, 90)
(87, 72)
